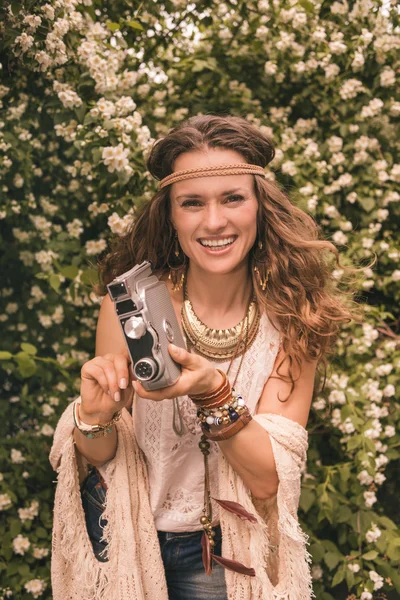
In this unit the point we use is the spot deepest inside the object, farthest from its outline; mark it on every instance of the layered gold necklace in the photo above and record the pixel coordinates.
(219, 344)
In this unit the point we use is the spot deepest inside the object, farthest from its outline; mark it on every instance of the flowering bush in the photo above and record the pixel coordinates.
(86, 89)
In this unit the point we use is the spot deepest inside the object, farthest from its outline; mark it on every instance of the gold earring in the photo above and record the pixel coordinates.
(177, 273)
(262, 281)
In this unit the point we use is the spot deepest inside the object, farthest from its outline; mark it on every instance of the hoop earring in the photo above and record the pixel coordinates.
(177, 272)
(261, 272)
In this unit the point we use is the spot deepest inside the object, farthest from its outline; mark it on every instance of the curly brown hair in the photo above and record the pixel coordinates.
(301, 296)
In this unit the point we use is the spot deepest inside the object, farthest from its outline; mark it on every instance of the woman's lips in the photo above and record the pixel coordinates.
(218, 250)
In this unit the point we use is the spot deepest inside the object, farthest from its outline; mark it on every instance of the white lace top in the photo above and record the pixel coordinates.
(175, 463)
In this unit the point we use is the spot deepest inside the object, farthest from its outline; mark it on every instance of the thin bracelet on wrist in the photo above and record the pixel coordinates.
(94, 431)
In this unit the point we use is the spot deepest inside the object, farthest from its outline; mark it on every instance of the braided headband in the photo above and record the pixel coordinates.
(235, 169)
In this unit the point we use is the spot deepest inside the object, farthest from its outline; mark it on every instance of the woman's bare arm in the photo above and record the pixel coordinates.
(109, 340)
(250, 451)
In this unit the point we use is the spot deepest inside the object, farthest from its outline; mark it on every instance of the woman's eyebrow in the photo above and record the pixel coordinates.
(199, 195)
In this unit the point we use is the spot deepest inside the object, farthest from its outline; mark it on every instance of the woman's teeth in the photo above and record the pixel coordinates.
(217, 243)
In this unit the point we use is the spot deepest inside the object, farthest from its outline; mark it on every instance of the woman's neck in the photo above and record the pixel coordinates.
(220, 301)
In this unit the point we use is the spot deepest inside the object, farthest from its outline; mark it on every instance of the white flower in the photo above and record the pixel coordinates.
(366, 595)
(389, 431)
(16, 456)
(377, 579)
(270, 68)
(373, 534)
(340, 8)
(358, 61)
(289, 168)
(48, 11)
(379, 478)
(372, 109)
(350, 89)
(319, 404)
(5, 501)
(396, 275)
(25, 41)
(347, 426)
(75, 228)
(337, 397)
(47, 410)
(384, 369)
(387, 77)
(369, 498)
(331, 71)
(354, 568)
(381, 460)
(21, 544)
(339, 238)
(28, 514)
(35, 587)
(316, 573)
(118, 225)
(47, 430)
(115, 157)
(335, 144)
(95, 246)
(40, 552)
(365, 478)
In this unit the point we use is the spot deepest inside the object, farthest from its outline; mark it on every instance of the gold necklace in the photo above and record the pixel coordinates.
(219, 344)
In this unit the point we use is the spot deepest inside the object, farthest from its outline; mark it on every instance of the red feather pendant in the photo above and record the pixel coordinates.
(206, 554)
(233, 565)
(237, 509)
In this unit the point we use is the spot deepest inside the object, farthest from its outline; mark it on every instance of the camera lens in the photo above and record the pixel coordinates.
(145, 369)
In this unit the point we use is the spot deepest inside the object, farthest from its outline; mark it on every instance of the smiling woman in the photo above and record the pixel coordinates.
(253, 292)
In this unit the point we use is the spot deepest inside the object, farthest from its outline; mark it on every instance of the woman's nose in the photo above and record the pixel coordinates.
(215, 218)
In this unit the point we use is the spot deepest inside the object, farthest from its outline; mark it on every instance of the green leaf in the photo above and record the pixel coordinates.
(393, 550)
(29, 348)
(89, 276)
(332, 559)
(307, 5)
(42, 533)
(354, 442)
(16, 8)
(112, 26)
(343, 514)
(371, 555)
(307, 499)
(15, 528)
(317, 552)
(338, 577)
(368, 204)
(70, 272)
(55, 282)
(26, 366)
(4, 355)
(386, 522)
(134, 25)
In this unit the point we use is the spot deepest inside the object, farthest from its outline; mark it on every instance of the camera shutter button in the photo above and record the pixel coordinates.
(135, 328)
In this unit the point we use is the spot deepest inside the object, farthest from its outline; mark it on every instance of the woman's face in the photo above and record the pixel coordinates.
(215, 217)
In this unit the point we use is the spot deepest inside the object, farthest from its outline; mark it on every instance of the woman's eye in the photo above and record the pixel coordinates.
(187, 203)
(235, 198)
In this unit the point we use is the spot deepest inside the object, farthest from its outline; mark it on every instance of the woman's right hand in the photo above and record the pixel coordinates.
(106, 386)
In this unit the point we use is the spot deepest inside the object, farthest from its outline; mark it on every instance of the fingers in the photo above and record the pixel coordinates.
(110, 371)
(165, 393)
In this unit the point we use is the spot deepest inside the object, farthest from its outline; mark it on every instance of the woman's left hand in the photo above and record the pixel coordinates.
(198, 376)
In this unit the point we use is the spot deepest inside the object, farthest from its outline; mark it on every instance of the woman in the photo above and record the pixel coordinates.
(252, 289)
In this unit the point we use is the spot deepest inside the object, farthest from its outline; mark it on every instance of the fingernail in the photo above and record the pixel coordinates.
(123, 383)
(117, 396)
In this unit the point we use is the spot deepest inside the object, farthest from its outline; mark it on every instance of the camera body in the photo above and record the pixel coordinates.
(148, 321)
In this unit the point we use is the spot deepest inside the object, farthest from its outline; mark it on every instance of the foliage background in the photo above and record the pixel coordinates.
(86, 88)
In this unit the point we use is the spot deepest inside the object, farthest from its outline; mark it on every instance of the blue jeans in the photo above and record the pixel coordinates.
(181, 552)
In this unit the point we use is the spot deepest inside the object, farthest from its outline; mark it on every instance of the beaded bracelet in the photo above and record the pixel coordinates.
(225, 414)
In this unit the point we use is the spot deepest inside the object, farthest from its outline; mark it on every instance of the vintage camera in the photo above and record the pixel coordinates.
(149, 324)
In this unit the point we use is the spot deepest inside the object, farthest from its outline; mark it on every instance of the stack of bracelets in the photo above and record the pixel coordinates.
(222, 408)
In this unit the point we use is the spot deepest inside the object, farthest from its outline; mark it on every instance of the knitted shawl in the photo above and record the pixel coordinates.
(274, 545)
